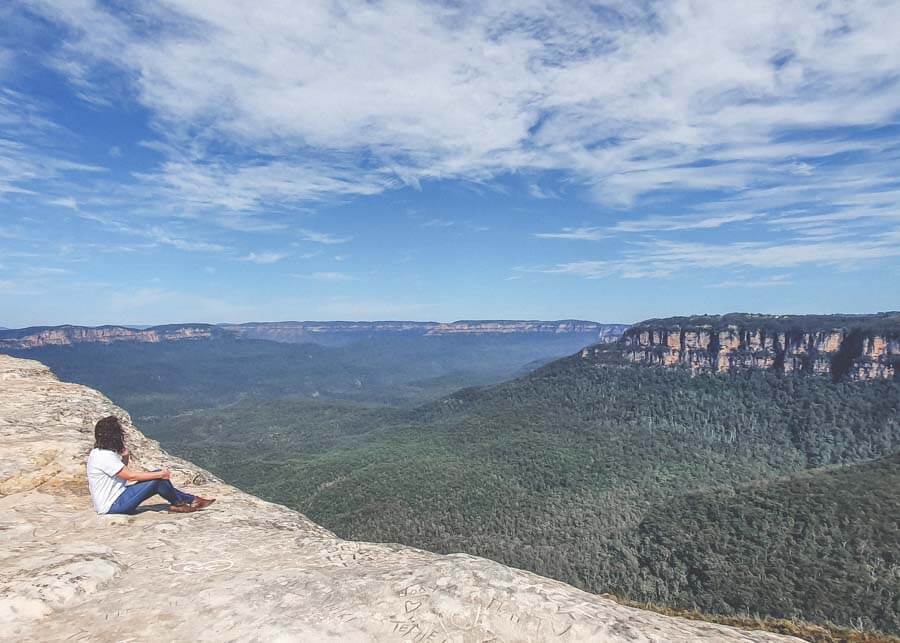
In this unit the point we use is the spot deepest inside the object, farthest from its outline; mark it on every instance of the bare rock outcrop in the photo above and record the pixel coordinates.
(855, 347)
(245, 569)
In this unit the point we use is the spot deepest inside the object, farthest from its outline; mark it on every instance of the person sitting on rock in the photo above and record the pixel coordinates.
(107, 473)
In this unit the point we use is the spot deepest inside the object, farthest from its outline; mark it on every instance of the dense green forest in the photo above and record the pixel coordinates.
(886, 323)
(824, 545)
(600, 477)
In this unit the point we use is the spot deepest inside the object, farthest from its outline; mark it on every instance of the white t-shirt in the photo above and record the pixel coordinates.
(102, 467)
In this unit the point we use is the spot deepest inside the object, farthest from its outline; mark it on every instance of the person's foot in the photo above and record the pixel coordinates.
(183, 508)
(201, 503)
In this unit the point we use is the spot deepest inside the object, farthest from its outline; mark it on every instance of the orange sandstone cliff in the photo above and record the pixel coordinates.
(856, 347)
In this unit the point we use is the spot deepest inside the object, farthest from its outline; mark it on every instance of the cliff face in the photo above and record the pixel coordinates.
(857, 348)
(604, 332)
(245, 569)
(64, 335)
(471, 327)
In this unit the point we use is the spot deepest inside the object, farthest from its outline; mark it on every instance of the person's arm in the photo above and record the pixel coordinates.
(139, 476)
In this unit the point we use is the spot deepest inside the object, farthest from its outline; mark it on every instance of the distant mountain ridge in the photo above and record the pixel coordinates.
(857, 347)
(304, 331)
(39, 336)
(328, 332)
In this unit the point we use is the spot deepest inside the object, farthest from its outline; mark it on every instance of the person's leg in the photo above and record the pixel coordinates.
(168, 491)
(133, 495)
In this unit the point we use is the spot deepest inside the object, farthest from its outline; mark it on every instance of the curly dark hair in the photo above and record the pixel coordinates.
(108, 434)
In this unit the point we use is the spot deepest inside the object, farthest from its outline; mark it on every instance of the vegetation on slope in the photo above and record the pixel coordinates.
(821, 545)
(583, 474)
(887, 323)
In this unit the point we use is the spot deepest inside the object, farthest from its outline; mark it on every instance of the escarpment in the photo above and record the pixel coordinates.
(293, 331)
(858, 347)
(245, 569)
(36, 337)
(299, 332)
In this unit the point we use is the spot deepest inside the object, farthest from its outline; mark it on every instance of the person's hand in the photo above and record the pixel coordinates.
(165, 474)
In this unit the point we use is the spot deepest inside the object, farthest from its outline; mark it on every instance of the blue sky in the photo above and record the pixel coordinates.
(211, 161)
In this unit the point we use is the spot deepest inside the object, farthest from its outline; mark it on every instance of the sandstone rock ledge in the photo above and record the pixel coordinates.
(245, 569)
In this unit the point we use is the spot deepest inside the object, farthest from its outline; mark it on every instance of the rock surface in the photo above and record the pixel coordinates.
(244, 569)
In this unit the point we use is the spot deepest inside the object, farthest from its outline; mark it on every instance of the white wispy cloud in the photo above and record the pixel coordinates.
(241, 222)
(46, 271)
(768, 254)
(65, 202)
(773, 281)
(538, 192)
(240, 186)
(680, 223)
(163, 237)
(322, 237)
(30, 158)
(437, 222)
(586, 268)
(329, 276)
(635, 99)
(156, 234)
(264, 257)
(649, 224)
(582, 234)
(770, 115)
(663, 258)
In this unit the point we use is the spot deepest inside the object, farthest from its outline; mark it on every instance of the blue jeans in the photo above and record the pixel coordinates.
(137, 493)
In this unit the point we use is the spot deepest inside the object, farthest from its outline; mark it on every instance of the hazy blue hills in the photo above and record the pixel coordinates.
(168, 377)
(327, 333)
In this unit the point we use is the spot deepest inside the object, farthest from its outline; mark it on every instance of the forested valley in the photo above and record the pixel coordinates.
(755, 494)
(743, 494)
